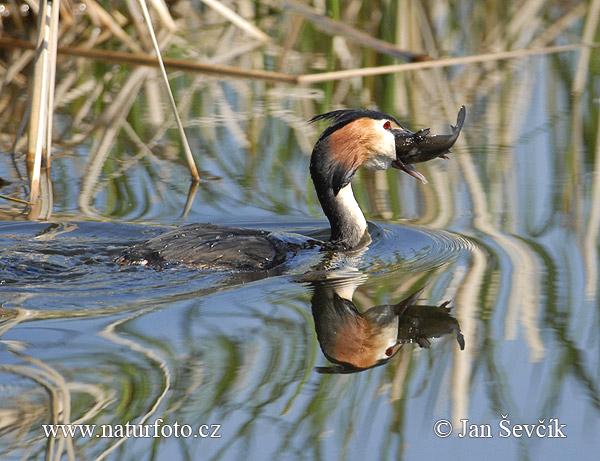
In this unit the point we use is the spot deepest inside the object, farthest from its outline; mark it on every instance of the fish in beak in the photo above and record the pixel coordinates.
(419, 146)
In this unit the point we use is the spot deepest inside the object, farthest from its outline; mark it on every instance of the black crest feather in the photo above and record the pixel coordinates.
(342, 117)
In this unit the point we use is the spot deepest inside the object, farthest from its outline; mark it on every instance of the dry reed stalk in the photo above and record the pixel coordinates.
(525, 21)
(52, 47)
(14, 199)
(589, 30)
(138, 21)
(39, 100)
(109, 21)
(141, 59)
(163, 14)
(559, 25)
(40, 122)
(444, 62)
(186, 147)
(277, 77)
(13, 72)
(237, 20)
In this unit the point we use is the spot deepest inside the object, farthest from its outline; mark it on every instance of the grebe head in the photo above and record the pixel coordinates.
(374, 140)
(352, 340)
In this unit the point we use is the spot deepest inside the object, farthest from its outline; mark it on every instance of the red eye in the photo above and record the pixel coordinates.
(390, 350)
(387, 125)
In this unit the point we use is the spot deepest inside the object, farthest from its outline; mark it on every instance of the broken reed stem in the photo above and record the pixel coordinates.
(14, 199)
(117, 57)
(184, 140)
(444, 62)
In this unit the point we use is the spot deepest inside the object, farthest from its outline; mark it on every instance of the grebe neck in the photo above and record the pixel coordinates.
(348, 224)
(331, 177)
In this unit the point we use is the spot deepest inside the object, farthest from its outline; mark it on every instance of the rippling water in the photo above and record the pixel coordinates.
(66, 259)
(214, 342)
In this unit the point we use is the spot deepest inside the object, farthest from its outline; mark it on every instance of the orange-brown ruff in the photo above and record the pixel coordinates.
(353, 144)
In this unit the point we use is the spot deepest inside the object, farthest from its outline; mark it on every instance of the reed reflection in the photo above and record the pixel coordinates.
(355, 341)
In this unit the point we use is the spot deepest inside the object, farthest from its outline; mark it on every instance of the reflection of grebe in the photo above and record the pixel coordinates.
(354, 138)
(356, 341)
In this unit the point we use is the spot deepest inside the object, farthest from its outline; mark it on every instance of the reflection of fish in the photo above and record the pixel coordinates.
(420, 147)
(418, 323)
(356, 341)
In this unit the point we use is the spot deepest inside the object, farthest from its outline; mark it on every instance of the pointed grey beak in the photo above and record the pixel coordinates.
(419, 147)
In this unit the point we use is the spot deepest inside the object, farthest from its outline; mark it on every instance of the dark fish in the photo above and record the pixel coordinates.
(419, 146)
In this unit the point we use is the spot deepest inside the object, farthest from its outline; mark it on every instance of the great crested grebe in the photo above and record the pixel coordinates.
(355, 138)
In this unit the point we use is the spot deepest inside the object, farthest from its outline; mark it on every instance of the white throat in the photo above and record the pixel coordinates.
(345, 198)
